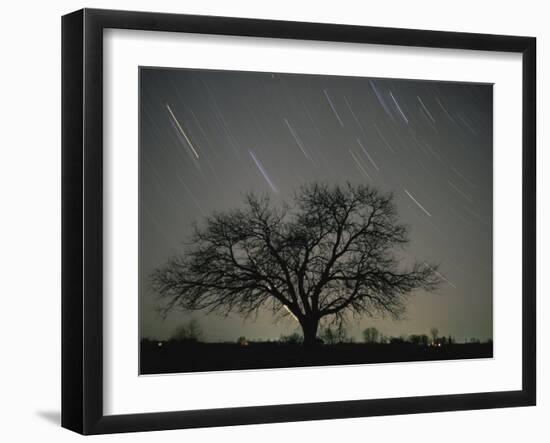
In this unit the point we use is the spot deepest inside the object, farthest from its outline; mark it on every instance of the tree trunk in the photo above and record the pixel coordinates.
(309, 326)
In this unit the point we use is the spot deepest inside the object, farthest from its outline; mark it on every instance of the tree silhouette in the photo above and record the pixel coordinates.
(434, 332)
(189, 332)
(370, 335)
(330, 253)
(419, 340)
(331, 336)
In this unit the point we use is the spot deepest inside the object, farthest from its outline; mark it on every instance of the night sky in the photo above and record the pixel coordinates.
(209, 137)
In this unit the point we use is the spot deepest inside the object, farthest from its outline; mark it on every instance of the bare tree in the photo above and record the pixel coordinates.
(190, 332)
(434, 332)
(370, 335)
(328, 336)
(424, 340)
(332, 252)
(331, 336)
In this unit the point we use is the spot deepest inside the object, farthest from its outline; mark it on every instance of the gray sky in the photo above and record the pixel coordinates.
(208, 137)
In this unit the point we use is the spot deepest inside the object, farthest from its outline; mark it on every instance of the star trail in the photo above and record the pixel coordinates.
(209, 137)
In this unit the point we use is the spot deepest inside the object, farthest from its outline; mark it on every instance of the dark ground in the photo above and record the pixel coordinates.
(195, 357)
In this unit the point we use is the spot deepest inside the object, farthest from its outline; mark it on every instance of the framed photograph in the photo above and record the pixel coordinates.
(269, 221)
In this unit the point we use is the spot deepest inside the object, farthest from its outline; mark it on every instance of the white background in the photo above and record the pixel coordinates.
(30, 222)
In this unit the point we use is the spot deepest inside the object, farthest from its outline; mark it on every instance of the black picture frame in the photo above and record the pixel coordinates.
(82, 219)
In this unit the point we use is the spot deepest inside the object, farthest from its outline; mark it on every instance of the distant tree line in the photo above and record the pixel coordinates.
(191, 332)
